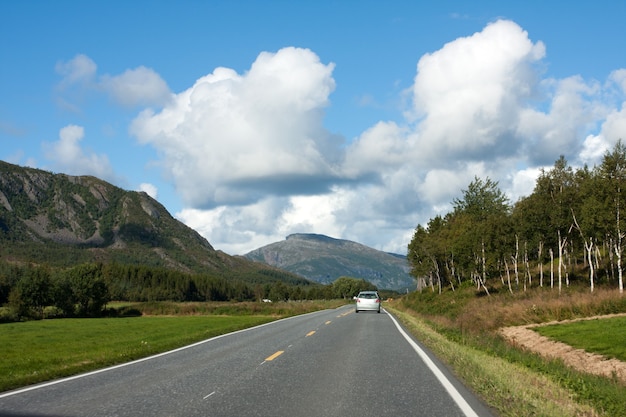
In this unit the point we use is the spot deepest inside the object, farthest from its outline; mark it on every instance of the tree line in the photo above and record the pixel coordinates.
(34, 291)
(570, 228)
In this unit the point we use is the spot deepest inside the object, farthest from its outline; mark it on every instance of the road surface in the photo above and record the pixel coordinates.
(328, 363)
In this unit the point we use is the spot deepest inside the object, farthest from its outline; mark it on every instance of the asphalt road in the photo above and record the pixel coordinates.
(328, 363)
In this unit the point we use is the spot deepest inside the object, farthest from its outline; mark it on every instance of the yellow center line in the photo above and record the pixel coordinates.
(275, 355)
(311, 333)
(328, 322)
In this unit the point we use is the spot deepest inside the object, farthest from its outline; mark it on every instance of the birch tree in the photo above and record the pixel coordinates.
(613, 169)
(485, 211)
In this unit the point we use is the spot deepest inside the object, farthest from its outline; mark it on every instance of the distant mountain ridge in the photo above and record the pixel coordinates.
(62, 220)
(323, 259)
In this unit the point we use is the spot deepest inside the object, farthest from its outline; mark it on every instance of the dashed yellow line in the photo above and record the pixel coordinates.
(328, 322)
(311, 333)
(275, 355)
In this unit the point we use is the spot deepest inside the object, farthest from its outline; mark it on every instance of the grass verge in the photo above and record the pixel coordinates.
(509, 388)
(523, 383)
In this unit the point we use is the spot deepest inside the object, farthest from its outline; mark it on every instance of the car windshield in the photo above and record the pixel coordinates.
(368, 295)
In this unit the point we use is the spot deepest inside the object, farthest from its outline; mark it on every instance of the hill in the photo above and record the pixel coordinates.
(323, 259)
(62, 220)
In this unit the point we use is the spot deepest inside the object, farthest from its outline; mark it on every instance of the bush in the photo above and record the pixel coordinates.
(52, 312)
(7, 315)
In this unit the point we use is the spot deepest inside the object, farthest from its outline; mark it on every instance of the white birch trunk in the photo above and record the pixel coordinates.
(618, 256)
(508, 275)
(591, 268)
(588, 251)
(618, 246)
(483, 279)
(560, 272)
(515, 261)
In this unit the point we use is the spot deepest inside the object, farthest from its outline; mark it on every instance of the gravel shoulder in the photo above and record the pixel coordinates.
(525, 337)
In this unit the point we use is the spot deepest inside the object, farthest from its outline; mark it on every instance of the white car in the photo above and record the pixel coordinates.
(367, 301)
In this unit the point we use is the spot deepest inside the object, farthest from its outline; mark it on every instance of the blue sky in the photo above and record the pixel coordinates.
(253, 120)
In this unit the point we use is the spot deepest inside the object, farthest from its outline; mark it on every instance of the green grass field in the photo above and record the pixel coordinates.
(606, 337)
(37, 351)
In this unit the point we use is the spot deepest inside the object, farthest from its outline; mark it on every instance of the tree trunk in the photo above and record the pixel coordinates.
(596, 259)
(618, 255)
(515, 261)
(588, 250)
(590, 256)
(539, 254)
(452, 273)
(508, 275)
(618, 246)
(611, 260)
(562, 243)
(530, 278)
(436, 265)
(484, 276)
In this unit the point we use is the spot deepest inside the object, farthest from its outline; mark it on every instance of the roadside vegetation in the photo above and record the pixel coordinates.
(461, 328)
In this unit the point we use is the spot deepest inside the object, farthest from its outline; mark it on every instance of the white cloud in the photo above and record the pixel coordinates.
(314, 214)
(381, 146)
(80, 69)
(440, 186)
(467, 95)
(139, 86)
(233, 139)
(594, 147)
(238, 229)
(561, 129)
(614, 127)
(67, 156)
(523, 183)
(619, 78)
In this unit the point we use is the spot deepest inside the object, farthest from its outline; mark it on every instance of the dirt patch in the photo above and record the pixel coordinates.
(579, 359)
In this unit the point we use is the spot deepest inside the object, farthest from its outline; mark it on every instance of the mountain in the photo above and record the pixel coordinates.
(323, 259)
(62, 220)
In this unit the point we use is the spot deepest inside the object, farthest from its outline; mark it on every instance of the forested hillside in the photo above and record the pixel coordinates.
(60, 220)
(75, 242)
(570, 229)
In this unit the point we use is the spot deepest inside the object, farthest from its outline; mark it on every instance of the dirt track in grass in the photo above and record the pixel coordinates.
(579, 359)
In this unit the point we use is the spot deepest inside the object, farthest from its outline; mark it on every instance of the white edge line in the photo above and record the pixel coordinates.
(456, 396)
(147, 358)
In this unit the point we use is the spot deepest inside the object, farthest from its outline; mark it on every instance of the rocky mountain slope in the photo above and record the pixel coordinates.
(323, 259)
(62, 220)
